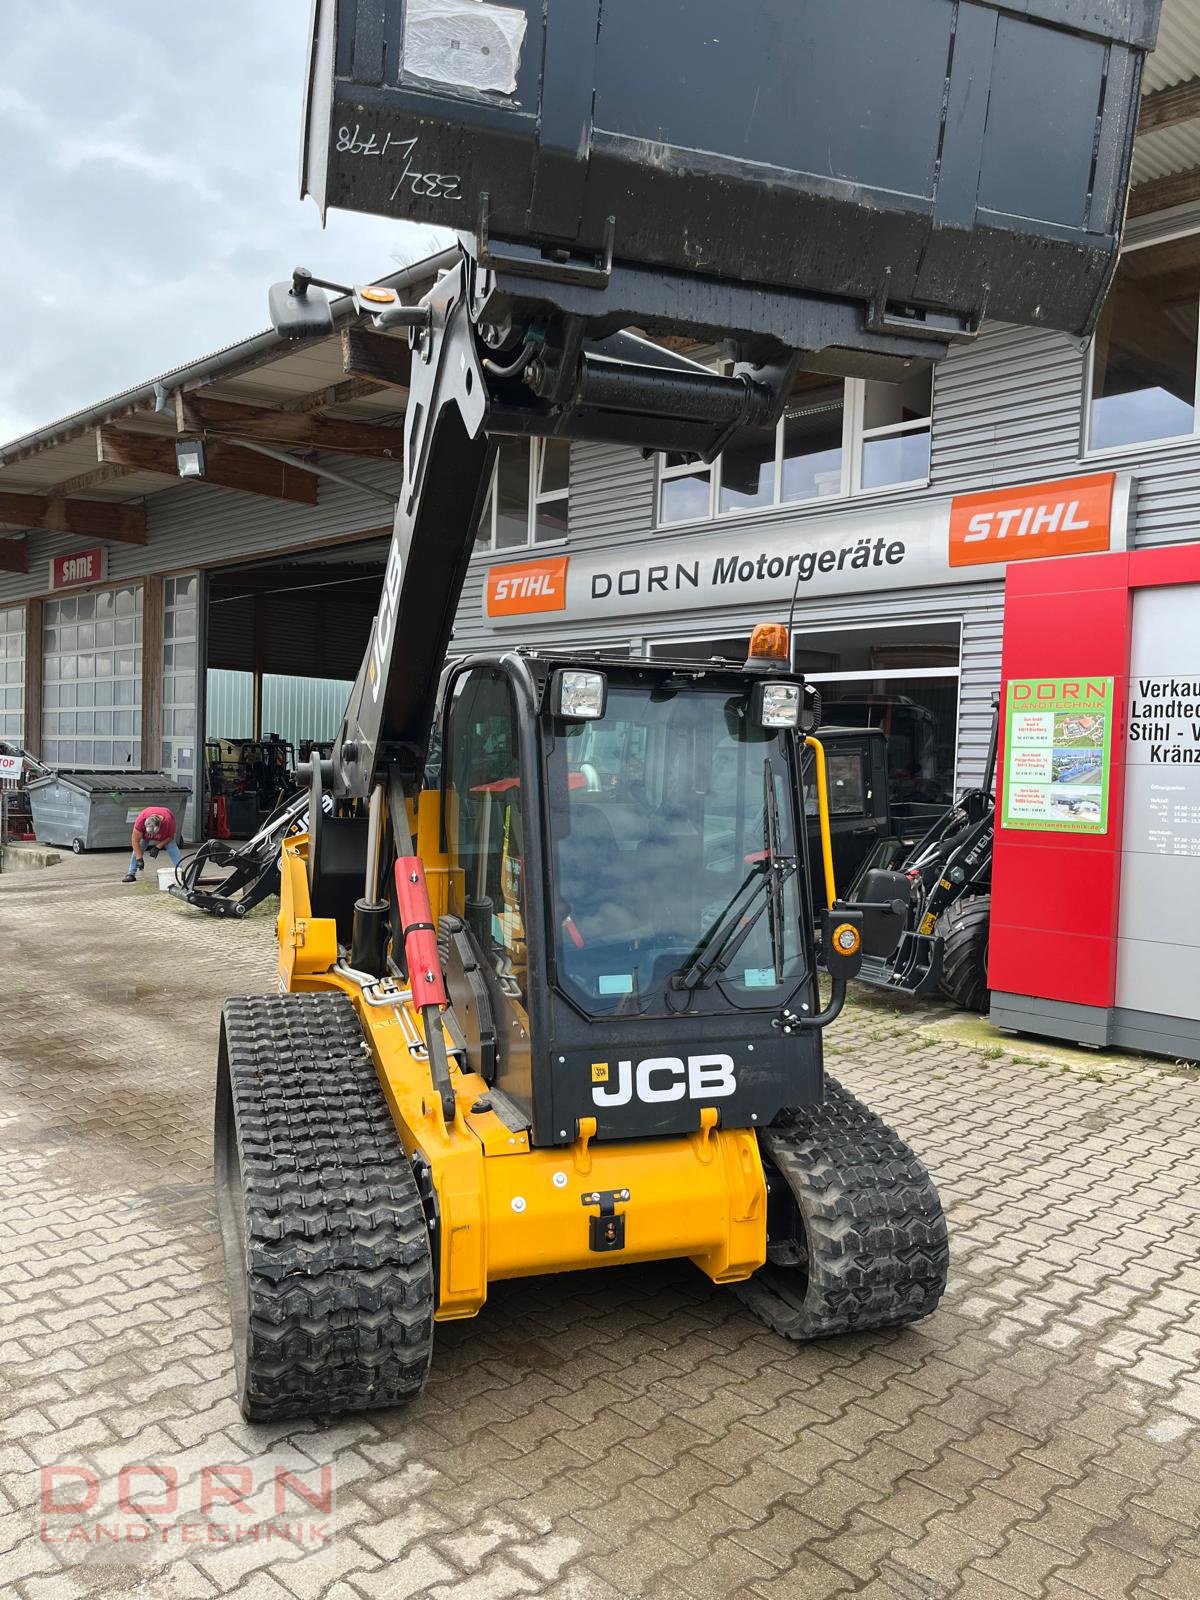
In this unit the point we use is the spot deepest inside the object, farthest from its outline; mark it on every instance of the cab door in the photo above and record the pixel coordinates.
(486, 825)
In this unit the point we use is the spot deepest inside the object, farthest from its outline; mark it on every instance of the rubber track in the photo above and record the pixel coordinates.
(964, 932)
(875, 1235)
(339, 1284)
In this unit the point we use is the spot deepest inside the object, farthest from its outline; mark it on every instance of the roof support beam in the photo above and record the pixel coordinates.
(1159, 194)
(195, 412)
(227, 466)
(92, 519)
(1164, 108)
(14, 555)
(377, 357)
(92, 479)
(337, 394)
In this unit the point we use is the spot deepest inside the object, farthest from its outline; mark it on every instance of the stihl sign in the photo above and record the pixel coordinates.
(526, 587)
(81, 566)
(1069, 518)
(814, 553)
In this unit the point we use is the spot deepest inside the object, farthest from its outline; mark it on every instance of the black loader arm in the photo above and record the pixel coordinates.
(495, 355)
(448, 458)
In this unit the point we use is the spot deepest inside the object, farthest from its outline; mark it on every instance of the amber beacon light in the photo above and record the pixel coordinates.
(769, 642)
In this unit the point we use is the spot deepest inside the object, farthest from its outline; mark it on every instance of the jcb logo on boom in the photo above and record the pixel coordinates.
(661, 1078)
(386, 619)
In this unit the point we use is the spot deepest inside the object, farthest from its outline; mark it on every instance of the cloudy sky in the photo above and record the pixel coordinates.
(148, 192)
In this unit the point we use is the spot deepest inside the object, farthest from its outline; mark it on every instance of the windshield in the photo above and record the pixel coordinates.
(672, 871)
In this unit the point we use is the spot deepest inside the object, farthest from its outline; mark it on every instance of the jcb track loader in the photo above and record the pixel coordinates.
(530, 1023)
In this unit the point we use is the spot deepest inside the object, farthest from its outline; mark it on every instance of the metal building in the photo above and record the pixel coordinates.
(148, 597)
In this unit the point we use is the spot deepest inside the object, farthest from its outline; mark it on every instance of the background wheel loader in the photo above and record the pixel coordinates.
(524, 1027)
(939, 889)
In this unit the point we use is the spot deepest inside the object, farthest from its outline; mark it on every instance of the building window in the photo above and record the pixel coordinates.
(92, 680)
(836, 437)
(1144, 353)
(903, 678)
(529, 498)
(895, 432)
(12, 674)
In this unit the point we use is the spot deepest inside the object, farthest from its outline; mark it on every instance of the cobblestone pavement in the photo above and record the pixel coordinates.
(626, 1433)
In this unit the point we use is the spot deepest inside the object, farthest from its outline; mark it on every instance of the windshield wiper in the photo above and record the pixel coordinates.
(775, 870)
(734, 924)
(726, 936)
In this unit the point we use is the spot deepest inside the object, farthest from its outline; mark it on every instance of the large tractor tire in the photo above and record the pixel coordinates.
(870, 1249)
(326, 1243)
(963, 930)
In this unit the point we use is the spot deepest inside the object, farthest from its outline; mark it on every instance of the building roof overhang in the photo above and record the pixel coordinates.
(88, 475)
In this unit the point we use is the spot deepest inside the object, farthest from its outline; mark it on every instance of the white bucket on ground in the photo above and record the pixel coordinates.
(166, 877)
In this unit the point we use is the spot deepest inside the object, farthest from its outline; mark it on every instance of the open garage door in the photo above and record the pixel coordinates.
(284, 640)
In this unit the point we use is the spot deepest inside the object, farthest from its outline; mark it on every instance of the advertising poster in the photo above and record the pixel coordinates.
(1058, 736)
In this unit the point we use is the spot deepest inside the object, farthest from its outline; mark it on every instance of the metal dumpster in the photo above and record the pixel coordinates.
(928, 161)
(96, 810)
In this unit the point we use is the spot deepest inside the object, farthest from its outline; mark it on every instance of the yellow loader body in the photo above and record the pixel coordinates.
(502, 1209)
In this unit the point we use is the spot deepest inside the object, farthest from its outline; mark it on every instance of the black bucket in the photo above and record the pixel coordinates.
(953, 157)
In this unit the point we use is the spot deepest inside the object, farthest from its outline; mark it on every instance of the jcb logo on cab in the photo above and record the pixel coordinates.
(660, 1078)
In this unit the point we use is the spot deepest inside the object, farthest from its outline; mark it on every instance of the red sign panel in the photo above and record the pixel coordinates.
(528, 586)
(81, 566)
(1069, 518)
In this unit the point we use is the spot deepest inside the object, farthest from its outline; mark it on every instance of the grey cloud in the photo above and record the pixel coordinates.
(148, 192)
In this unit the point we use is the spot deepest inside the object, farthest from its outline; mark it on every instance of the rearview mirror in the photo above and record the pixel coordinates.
(299, 311)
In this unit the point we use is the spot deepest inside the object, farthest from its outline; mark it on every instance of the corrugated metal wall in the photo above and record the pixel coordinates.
(229, 712)
(612, 493)
(1006, 409)
(304, 708)
(294, 708)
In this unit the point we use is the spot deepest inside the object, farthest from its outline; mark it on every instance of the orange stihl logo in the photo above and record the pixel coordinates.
(528, 586)
(1069, 518)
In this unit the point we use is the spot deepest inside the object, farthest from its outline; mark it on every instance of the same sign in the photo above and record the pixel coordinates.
(80, 567)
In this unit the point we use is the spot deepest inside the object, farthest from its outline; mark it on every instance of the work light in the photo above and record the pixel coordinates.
(578, 696)
(189, 458)
(778, 704)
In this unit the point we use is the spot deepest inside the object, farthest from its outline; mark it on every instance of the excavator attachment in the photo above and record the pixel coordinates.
(896, 169)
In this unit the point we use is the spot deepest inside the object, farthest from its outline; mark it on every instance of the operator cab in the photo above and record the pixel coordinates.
(659, 806)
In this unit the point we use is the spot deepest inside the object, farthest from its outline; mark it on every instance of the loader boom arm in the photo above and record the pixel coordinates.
(572, 376)
(447, 465)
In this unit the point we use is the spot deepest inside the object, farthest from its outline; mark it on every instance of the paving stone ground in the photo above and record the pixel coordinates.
(627, 1433)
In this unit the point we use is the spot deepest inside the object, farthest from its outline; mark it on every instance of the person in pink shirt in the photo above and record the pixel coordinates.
(155, 829)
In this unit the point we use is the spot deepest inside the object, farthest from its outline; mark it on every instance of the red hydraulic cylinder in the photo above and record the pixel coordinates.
(420, 935)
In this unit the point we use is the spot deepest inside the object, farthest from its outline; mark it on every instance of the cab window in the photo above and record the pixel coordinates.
(672, 852)
(847, 785)
(485, 823)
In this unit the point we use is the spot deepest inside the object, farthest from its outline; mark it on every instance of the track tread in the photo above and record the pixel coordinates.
(875, 1236)
(964, 932)
(331, 1239)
